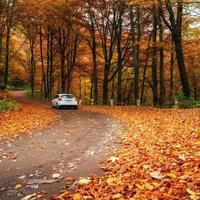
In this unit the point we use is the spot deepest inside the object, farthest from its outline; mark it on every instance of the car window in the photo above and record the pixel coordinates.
(67, 96)
(57, 96)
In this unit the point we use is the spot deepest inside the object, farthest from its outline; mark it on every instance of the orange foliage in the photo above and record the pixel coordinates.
(29, 118)
(159, 158)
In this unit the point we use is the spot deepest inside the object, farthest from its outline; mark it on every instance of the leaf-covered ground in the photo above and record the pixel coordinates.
(159, 158)
(29, 118)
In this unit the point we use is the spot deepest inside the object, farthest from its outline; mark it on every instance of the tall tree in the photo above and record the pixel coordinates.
(174, 23)
(161, 53)
(154, 58)
(9, 24)
(2, 26)
(136, 28)
(92, 42)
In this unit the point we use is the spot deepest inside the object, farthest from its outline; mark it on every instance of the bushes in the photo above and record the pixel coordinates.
(7, 103)
(190, 103)
(187, 102)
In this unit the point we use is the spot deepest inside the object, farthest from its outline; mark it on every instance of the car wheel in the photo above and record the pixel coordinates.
(75, 107)
(57, 106)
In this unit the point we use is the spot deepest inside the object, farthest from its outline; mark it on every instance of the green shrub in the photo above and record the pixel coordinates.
(190, 103)
(9, 104)
(186, 102)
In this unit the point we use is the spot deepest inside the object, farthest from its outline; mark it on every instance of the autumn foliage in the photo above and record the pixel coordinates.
(159, 158)
(29, 118)
(121, 50)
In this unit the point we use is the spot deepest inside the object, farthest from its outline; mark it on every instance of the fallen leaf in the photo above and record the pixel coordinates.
(55, 176)
(139, 186)
(189, 191)
(77, 196)
(18, 186)
(28, 197)
(156, 175)
(83, 181)
(113, 159)
(116, 196)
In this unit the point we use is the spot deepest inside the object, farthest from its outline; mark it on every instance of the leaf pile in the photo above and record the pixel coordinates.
(29, 118)
(159, 158)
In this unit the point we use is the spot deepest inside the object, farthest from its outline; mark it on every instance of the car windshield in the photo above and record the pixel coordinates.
(67, 96)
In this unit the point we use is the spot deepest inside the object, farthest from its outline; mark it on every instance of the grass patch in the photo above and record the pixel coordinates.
(185, 102)
(37, 94)
(7, 103)
(190, 103)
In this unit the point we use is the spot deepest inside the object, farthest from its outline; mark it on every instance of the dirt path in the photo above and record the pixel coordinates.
(71, 147)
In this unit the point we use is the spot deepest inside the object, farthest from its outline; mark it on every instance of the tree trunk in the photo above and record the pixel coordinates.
(144, 72)
(119, 60)
(105, 85)
(11, 5)
(93, 46)
(95, 75)
(194, 83)
(161, 51)
(32, 70)
(1, 41)
(51, 63)
(154, 59)
(172, 72)
(137, 58)
(48, 63)
(175, 26)
(42, 63)
(7, 53)
(181, 65)
(63, 40)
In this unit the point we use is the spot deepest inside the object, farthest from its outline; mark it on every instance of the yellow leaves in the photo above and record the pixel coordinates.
(148, 186)
(77, 196)
(141, 187)
(197, 143)
(18, 186)
(190, 192)
(171, 175)
(193, 195)
(117, 196)
(145, 186)
(112, 181)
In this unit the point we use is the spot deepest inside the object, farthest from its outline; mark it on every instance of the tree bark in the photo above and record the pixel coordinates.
(172, 72)
(161, 52)
(175, 26)
(42, 63)
(154, 59)
(10, 6)
(119, 59)
(144, 72)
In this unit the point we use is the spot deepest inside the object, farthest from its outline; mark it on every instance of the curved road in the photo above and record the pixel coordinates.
(71, 147)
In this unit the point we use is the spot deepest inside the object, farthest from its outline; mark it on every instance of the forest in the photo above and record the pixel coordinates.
(123, 51)
(93, 98)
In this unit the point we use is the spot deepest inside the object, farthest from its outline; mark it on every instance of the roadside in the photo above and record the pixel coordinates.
(28, 118)
(159, 157)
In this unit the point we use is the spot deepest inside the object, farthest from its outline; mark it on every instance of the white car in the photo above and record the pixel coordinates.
(65, 100)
